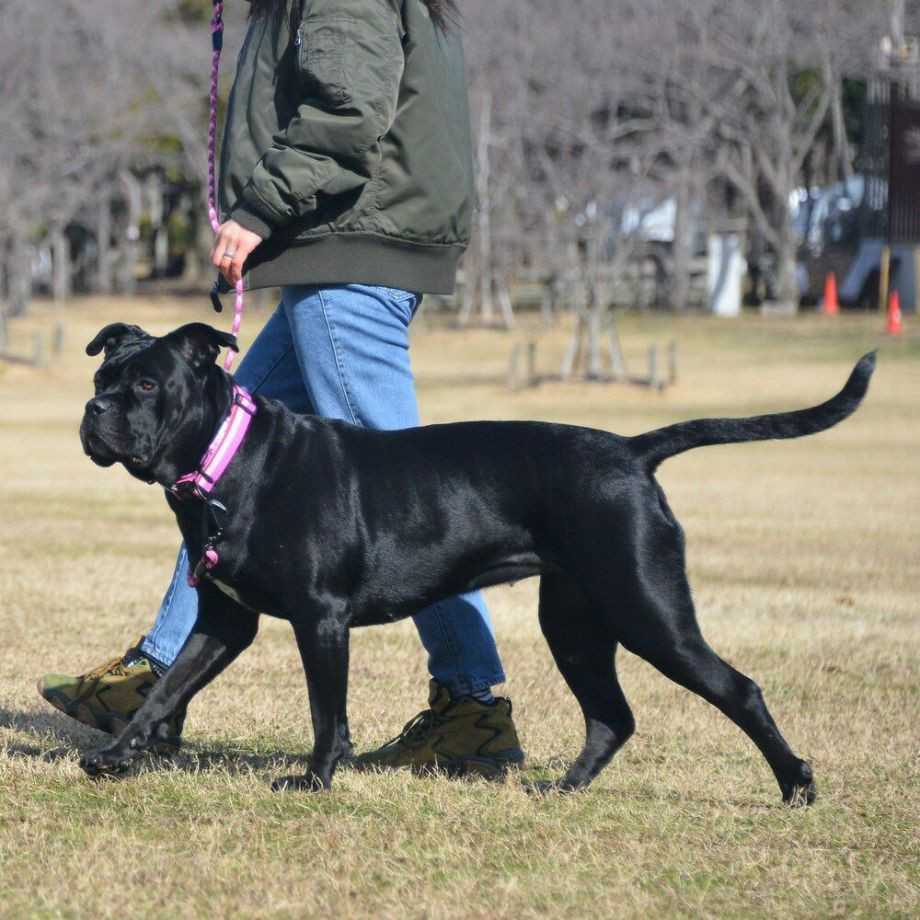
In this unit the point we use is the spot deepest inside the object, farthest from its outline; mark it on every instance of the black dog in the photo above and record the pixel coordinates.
(331, 526)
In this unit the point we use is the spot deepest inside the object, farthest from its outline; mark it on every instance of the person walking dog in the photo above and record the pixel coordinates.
(346, 180)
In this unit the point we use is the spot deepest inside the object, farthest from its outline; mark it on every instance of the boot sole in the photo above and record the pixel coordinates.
(486, 767)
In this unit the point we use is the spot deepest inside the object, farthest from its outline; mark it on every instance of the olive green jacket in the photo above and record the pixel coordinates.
(347, 148)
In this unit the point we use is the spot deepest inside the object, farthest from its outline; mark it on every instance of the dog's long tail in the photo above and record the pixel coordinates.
(654, 447)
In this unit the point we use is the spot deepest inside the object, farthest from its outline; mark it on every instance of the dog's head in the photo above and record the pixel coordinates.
(156, 399)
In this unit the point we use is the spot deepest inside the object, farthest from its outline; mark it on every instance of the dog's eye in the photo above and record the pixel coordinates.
(146, 385)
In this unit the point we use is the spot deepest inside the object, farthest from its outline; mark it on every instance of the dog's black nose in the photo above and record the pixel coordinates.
(99, 404)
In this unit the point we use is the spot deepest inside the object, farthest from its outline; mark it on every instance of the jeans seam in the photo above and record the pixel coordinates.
(151, 637)
(448, 640)
(336, 350)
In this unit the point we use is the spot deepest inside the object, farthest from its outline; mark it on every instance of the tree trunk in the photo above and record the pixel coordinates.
(504, 301)
(787, 286)
(593, 369)
(3, 291)
(61, 287)
(198, 250)
(842, 156)
(896, 24)
(130, 236)
(679, 282)
(159, 231)
(102, 281)
(592, 307)
(18, 277)
(485, 207)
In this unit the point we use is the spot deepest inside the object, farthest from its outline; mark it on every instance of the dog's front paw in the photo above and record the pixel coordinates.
(800, 791)
(800, 796)
(307, 782)
(107, 762)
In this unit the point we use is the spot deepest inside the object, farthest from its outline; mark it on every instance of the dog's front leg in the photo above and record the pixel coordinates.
(222, 631)
(323, 645)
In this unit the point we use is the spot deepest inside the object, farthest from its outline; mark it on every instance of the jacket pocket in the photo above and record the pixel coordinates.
(325, 58)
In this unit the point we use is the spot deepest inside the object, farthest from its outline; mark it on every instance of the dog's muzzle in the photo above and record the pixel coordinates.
(94, 433)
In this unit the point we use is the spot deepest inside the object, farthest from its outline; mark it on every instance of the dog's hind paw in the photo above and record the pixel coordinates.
(307, 782)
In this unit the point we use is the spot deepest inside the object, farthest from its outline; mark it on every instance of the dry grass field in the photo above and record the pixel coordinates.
(804, 560)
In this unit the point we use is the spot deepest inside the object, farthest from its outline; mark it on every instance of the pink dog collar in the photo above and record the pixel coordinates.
(214, 463)
(221, 451)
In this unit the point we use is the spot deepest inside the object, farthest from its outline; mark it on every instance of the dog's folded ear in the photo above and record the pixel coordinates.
(200, 342)
(113, 335)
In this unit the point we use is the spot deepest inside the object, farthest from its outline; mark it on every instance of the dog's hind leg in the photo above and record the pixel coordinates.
(584, 651)
(660, 626)
(323, 644)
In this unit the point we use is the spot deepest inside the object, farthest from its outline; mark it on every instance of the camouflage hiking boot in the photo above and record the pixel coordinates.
(108, 696)
(455, 735)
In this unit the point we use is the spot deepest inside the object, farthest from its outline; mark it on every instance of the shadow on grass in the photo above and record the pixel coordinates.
(57, 737)
(192, 759)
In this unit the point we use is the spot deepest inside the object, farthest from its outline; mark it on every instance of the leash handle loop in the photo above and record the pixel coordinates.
(217, 44)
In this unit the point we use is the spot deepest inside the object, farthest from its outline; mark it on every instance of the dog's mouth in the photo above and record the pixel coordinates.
(99, 453)
(103, 454)
(105, 458)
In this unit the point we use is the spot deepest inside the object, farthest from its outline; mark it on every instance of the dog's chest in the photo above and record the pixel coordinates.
(230, 591)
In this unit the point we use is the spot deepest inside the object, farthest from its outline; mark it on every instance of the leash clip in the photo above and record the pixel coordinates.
(214, 513)
(218, 514)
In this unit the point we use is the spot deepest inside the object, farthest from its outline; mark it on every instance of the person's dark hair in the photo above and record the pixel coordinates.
(440, 10)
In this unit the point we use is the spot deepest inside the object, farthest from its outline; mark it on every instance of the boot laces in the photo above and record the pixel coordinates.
(114, 668)
(417, 728)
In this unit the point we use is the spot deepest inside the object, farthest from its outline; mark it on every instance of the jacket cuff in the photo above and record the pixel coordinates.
(251, 221)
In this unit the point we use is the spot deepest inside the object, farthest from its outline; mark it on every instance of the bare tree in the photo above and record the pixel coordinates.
(115, 88)
(771, 74)
(685, 93)
(567, 146)
(583, 112)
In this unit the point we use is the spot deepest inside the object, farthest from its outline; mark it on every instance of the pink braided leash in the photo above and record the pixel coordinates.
(217, 43)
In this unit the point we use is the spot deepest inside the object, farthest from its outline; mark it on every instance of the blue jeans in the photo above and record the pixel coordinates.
(343, 352)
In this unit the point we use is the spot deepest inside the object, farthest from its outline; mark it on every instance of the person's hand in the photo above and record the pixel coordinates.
(232, 247)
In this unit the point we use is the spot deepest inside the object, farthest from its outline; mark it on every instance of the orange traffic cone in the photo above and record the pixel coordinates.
(831, 304)
(895, 327)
